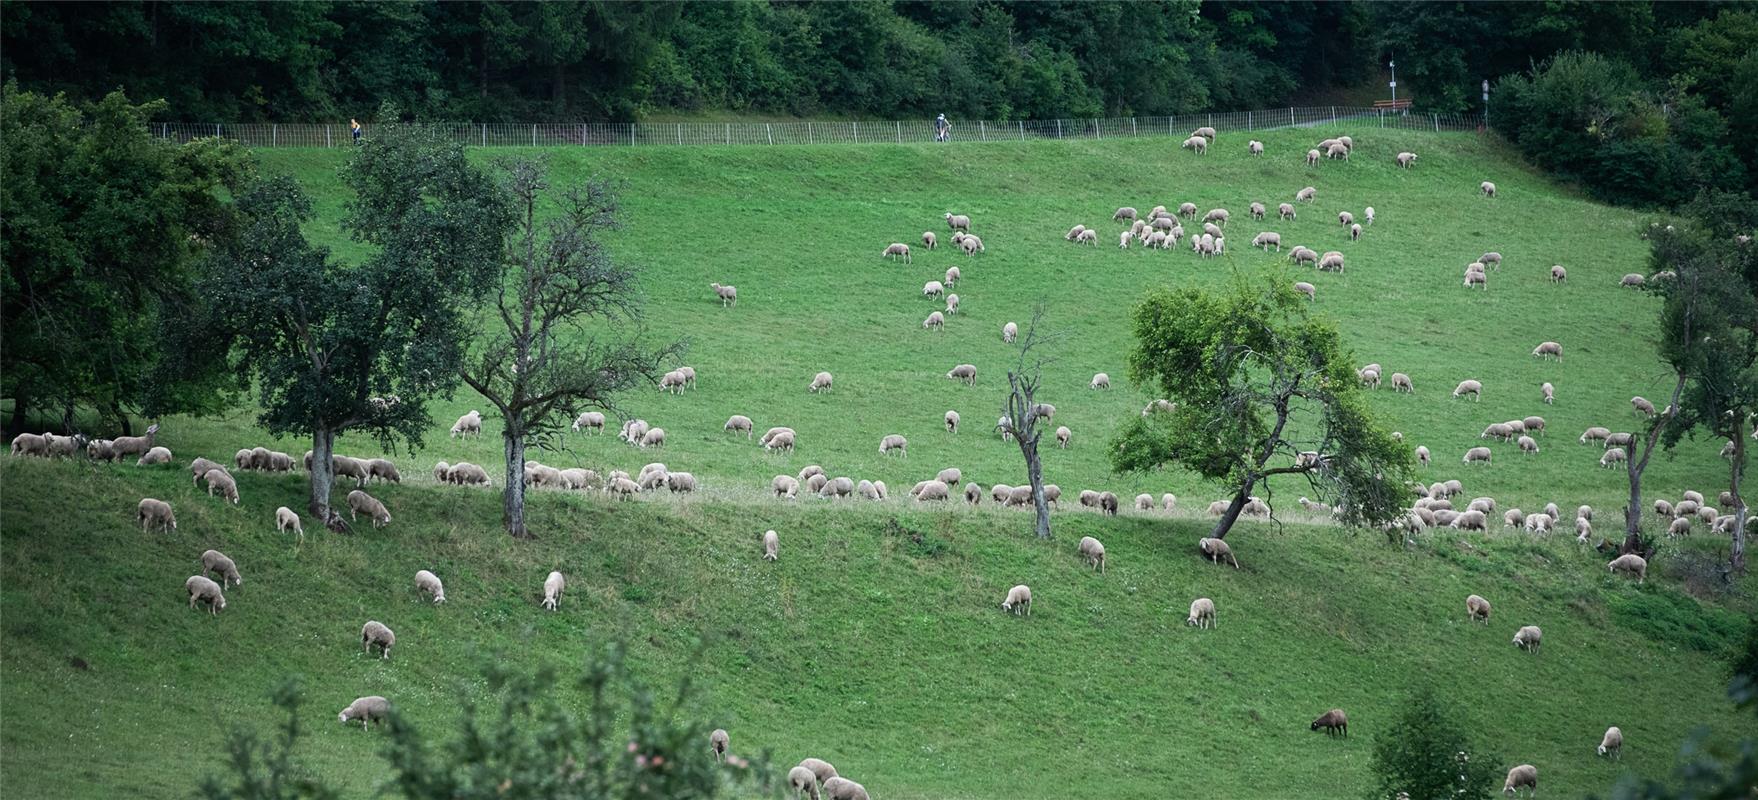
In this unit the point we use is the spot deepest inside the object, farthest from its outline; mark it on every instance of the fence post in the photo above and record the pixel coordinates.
(982, 130)
(484, 134)
(1095, 129)
(1058, 127)
(808, 132)
(216, 130)
(1382, 115)
(1248, 121)
(1211, 120)
(1437, 122)
(1132, 126)
(327, 142)
(857, 131)
(729, 133)
(900, 131)
(631, 133)
(1022, 130)
(533, 135)
(769, 130)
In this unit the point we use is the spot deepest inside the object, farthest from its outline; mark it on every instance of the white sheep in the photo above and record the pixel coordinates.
(376, 634)
(359, 501)
(729, 295)
(1612, 456)
(781, 441)
(958, 222)
(820, 383)
(150, 512)
(217, 478)
(1202, 613)
(1286, 211)
(785, 486)
(1405, 160)
(1266, 240)
(1422, 455)
(1094, 553)
(1123, 240)
(1368, 213)
(1254, 147)
(771, 546)
(736, 423)
(1196, 143)
(285, 518)
(1632, 281)
(153, 457)
(1100, 381)
(1062, 437)
(218, 563)
(590, 420)
(964, 373)
(552, 590)
(840, 788)
(427, 583)
(950, 476)
(1476, 455)
(1630, 563)
(953, 275)
(1216, 549)
(893, 441)
(933, 289)
(931, 490)
(1528, 444)
(897, 249)
(929, 240)
(1469, 387)
(1612, 743)
(951, 419)
(803, 783)
(1312, 157)
(201, 589)
(952, 304)
(1354, 233)
(1487, 189)
(1477, 609)
(368, 710)
(468, 425)
(1009, 332)
(971, 245)
(1528, 638)
(1019, 600)
(1524, 775)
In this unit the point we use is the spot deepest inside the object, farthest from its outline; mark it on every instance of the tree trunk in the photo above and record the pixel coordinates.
(1736, 561)
(513, 497)
(1226, 522)
(1635, 467)
(1035, 474)
(323, 477)
(19, 404)
(121, 419)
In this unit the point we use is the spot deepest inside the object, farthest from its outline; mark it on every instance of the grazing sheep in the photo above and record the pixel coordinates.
(892, 442)
(1476, 279)
(1205, 132)
(1612, 456)
(1345, 218)
(31, 444)
(1528, 638)
(1266, 240)
(971, 245)
(1693, 496)
(785, 486)
(1477, 609)
(1472, 520)
(1144, 502)
(1307, 289)
(1123, 240)
(1469, 387)
(1019, 600)
(150, 512)
(1089, 498)
(840, 788)
(1094, 553)
(958, 222)
(837, 488)
(1354, 233)
(1405, 160)
(929, 240)
(820, 382)
(1254, 147)
(729, 295)
(428, 584)
(1335, 723)
(803, 783)
(374, 633)
(1062, 436)
(217, 478)
(973, 494)
(1528, 444)
(897, 249)
(1196, 143)
(1500, 431)
(952, 304)
(680, 482)
(953, 275)
(1422, 456)
(1477, 454)
(1312, 157)
(1596, 434)
(951, 421)
(369, 709)
(1108, 504)
(1337, 151)
(216, 562)
(1630, 563)
(1632, 281)
(1533, 424)
(1088, 236)
(285, 518)
(1680, 526)
(1306, 195)
(468, 425)
(465, 473)
(206, 591)
(382, 469)
(1369, 376)
(1303, 255)
(552, 590)
(154, 457)
(1642, 406)
(622, 487)
(1487, 189)
(964, 373)
(1100, 381)
(933, 289)
(736, 423)
(1558, 274)
(1612, 744)
(1202, 613)
(1331, 261)
(1663, 508)
(1123, 213)
(359, 501)
(1524, 775)
(1215, 550)
(1368, 213)
(1217, 215)
(1286, 211)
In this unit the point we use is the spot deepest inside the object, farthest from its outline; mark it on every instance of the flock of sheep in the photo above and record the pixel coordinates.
(1160, 228)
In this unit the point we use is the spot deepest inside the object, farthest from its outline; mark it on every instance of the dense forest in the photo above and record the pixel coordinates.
(1640, 101)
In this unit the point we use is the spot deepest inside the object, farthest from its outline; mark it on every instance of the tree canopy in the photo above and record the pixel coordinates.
(1261, 389)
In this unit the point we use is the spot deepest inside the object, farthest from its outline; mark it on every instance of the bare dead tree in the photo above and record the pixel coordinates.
(1022, 412)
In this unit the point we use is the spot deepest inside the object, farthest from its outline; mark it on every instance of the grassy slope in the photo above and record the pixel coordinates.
(913, 682)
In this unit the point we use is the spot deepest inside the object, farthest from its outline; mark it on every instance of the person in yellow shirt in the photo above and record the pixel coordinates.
(354, 125)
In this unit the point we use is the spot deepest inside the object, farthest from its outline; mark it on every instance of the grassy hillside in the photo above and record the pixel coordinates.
(885, 654)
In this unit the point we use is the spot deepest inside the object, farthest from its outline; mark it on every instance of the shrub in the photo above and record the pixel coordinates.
(1427, 755)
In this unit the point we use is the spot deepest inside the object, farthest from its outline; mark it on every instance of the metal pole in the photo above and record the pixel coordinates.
(1486, 105)
(982, 130)
(680, 134)
(533, 135)
(1437, 122)
(770, 132)
(729, 133)
(1132, 126)
(216, 130)
(275, 135)
(900, 131)
(808, 133)
(1248, 121)
(857, 131)
(1022, 130)
(484, 134)
(1058, 127)
(1095, 129)
(327, 142)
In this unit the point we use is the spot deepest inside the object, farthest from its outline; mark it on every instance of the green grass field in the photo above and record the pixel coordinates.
(887, 656)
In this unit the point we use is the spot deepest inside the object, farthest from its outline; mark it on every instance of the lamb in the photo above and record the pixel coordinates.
(1528, 638)
(1354, 233)
(1612, 743)
(203, 590)
(1202, 613)
(428, 582)
(1469, 387)
(1312, 157)
(154, 457)
(1632, 281)
(1216, 550)
(1335, 722)
(1196, 143)
(964, 373)
(1612, 456)
(366, 709)
(552, 590)
(1422, 455)
(893, 441)
(376, 634)
(150, 512)
(1266, 240)
(219, 479)
(1254, 147)
(359, 501)
(897, 249)
(1094, 553)
(468, 425)
(929, 240)
(1558, 274)
(216, 562)
(1405, 160)
(1477, 454)
(820, 382)
(1477, 609)
(1019, 600)
(803, 783)
(1062, 437)
(952, 276)
(840, 788)
(1368, 213)
(1630, 563)
(958, 222)
(736, 423)
(1524, 775)
(1642, 406)
(1487, 189)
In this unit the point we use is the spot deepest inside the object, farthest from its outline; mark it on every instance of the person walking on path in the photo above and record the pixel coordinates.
(354, 125)
(942, 129)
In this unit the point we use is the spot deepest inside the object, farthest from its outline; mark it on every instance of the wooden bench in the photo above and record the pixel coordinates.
(1391, 105)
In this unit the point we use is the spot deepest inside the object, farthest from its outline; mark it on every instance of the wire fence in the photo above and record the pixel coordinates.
(678, 134)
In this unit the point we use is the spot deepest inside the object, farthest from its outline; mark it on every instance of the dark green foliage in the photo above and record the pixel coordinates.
(1428, 755)
(519, 739)
(101, 228)
(1257, 383)
(334, 347)
(1677, 619)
